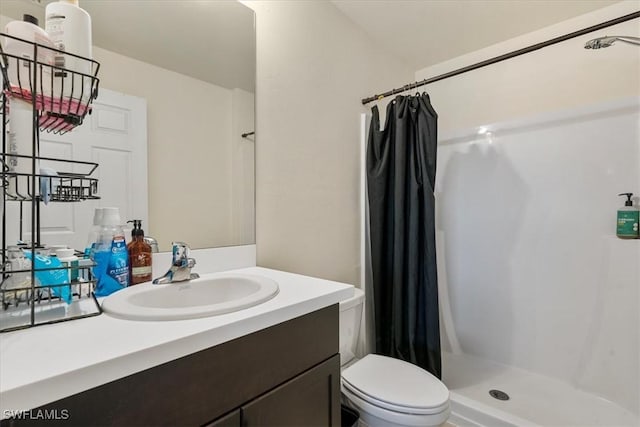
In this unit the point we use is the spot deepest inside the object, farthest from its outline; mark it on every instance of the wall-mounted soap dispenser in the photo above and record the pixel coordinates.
(628, 219)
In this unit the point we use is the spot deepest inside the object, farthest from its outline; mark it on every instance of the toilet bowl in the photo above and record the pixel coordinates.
(386, 391)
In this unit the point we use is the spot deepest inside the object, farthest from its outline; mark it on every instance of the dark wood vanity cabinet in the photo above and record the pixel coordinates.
(306, 400)
(232, 419)
(284, 375)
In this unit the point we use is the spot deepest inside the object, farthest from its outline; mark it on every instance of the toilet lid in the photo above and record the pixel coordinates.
(395, 385)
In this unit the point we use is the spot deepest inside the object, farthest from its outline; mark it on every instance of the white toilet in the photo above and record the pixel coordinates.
(387, 392)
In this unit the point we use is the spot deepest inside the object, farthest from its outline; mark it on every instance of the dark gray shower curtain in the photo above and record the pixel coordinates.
(401, 170)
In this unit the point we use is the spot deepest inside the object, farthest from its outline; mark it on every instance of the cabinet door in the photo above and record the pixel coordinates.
(229, 420)
(310, 399)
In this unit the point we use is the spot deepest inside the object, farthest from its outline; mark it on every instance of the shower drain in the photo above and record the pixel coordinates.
(499, 394)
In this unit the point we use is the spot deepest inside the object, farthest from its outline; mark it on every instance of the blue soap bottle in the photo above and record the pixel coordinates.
(111, 255)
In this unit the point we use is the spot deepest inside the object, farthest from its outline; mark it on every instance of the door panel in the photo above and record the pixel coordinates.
(114, 135)
(116, 169)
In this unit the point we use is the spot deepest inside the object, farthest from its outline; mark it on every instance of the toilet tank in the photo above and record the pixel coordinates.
(350, 316)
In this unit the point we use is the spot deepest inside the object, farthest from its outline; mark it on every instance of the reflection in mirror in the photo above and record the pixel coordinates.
(193, 65)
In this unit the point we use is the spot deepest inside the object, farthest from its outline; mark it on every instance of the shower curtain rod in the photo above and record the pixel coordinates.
(501, 58)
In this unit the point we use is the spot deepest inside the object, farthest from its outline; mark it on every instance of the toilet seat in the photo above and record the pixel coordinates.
(408, 410)
(373, 415)
(396, 386)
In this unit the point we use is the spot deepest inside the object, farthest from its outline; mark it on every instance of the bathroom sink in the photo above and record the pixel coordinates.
(207, 296)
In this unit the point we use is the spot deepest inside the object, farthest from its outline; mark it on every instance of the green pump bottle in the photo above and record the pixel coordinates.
(628, 219)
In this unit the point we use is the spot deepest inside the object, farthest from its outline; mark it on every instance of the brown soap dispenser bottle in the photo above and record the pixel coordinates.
(140, 256)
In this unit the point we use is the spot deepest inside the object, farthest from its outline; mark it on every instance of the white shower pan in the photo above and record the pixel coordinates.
(534, 400)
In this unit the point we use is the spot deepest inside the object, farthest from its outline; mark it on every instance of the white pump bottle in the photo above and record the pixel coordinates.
(69, 27)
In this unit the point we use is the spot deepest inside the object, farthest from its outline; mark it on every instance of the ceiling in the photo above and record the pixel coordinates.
(213, 41)
(209, 40)
(427, 32)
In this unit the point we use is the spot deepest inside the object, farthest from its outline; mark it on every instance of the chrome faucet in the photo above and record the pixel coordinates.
(151, 242)
(180, 266)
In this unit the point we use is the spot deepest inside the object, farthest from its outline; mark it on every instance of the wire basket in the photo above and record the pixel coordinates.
(35, 303)
(62, 186)
(61, 95)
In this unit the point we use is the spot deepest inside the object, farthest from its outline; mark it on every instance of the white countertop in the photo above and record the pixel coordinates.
(46, 363)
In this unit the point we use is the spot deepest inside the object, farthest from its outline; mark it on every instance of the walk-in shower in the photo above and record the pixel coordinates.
(539, 305)
(607, 41)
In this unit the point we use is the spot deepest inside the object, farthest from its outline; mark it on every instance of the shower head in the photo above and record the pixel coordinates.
(607, 41)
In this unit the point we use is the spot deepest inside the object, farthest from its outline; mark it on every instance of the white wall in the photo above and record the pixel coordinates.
(314, 66)
(537, 278)
(243, 166)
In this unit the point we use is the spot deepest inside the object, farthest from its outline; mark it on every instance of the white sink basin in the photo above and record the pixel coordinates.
(207, 296)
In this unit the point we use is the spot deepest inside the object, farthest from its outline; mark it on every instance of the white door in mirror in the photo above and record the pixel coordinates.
(209, 295)
(115, 137)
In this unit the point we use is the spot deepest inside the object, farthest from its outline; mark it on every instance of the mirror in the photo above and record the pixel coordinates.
(194, 64)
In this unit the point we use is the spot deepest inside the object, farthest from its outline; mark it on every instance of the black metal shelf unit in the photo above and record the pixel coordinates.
(59, 98)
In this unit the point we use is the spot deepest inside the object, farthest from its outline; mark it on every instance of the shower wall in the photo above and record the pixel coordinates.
(537, 278)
